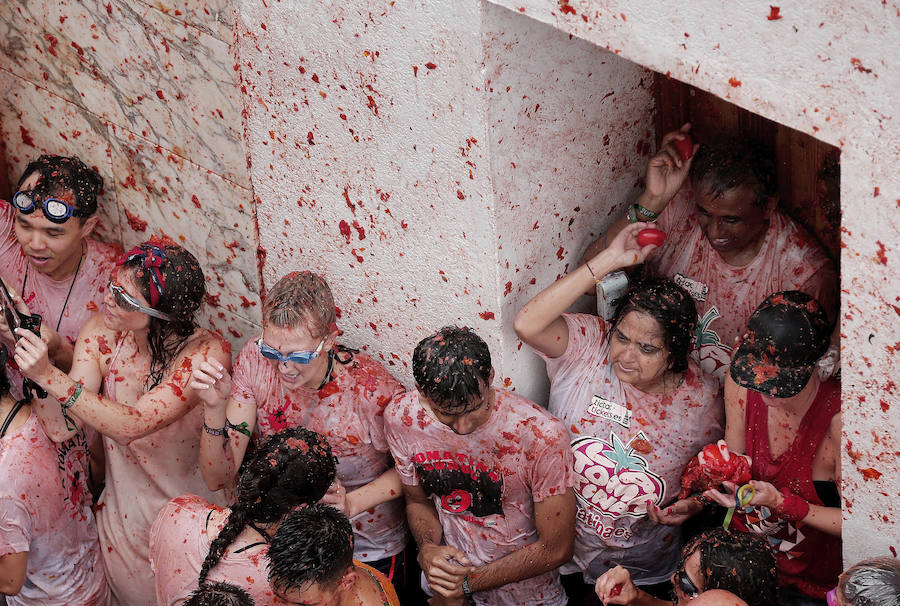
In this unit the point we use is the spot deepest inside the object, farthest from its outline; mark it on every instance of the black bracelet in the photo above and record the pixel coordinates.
(215, 432)
(241, 427)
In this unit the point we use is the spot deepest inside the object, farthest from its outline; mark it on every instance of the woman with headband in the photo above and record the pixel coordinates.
(129, 381)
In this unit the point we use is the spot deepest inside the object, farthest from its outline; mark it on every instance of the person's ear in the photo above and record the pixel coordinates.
(490, 378)
(348, 581)
(88, 226)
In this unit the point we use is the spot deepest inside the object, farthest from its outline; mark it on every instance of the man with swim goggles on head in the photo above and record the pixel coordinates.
(51, 267)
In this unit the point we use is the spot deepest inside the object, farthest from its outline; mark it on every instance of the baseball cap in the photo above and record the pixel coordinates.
(786, 336)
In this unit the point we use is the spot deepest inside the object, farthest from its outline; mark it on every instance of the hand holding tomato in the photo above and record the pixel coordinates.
(651, 236)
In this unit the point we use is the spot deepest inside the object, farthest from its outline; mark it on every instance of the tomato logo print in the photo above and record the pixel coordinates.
(457, 501)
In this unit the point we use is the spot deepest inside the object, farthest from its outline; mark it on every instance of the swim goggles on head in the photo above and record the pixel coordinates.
(297, 357)
(56, 210)
(129, 303)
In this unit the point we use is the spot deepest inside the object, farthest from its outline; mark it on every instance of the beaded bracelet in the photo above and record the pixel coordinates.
(215, 432)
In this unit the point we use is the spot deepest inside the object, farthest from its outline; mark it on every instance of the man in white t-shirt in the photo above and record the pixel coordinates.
(727, 243)
(487, 476)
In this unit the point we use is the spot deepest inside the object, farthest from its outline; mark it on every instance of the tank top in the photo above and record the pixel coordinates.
(808, 559)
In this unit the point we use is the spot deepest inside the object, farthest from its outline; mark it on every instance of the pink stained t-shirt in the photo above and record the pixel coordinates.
(726, 296)
(484, 485)
(140, 479)
(630, 447)
(179, 543)
(46, 296)
(349, 412)
(38, 516)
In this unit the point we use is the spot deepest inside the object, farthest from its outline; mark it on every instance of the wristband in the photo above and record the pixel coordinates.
(631, 215)
(596, 279)
(467, 592)
(792, 508)
(240, 427)
(215, 432)
(646, 212)
(70, 401)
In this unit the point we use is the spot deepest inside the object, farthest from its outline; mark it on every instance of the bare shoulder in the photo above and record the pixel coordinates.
(207, 344)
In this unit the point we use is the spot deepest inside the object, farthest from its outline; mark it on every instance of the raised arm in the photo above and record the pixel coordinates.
(540, 323)
(555, 521)
(666, 173)
(385, 487)
(221, 455)
(158, 408)
(735, 416)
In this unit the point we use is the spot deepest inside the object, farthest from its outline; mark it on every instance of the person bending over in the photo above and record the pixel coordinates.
(487, 476)
(296, 373)
(727, 243)
(637, 409)
(311, 562)
(736, 566)
(138, 354)
(49, 550)
(193, 540)
(872, 582)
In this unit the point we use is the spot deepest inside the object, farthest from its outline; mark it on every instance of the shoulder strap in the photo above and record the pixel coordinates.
(11, 415)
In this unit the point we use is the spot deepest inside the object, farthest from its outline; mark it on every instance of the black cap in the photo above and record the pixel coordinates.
(786, 336)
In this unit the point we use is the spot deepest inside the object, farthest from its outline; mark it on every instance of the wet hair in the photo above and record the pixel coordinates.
(740, 562)
(727, 164)
(182, 291)
(313, 545)
(292, 467)
(219, 593)
(4, 380)
(673, 309)
(60, 174)
(451, 368)
(301, 297)
(872, 582)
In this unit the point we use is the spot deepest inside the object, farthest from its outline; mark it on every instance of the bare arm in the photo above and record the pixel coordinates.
(540, 323)
(444, 566)
(385, 487)
(158, 408)
(12, 572)
(735, 416)
(555, 521)
(666, 173)
(616, 587)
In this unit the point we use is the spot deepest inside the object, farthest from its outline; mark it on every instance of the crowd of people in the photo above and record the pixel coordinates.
(140, 464)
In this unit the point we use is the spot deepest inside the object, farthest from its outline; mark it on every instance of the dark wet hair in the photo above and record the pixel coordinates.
(4, 380)
(730, 163)
(293, 467)
(219, 593)
(301, 297)
(673, 309)
(451, 368)
(313, 544)
(872, 582)
(740, 562)
(182, 291)
(62, 173)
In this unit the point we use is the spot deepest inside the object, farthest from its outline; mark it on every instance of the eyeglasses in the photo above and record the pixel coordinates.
(56, 210)
(129, 303)
(686, 584)
(297, 357)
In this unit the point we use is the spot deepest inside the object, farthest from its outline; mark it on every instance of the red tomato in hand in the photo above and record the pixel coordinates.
(651, 236)
(685, 147)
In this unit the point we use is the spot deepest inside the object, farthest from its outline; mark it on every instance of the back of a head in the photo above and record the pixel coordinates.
(726, 164)
(872, 582)
(314, 544)
(452, 367)
(219, 593)
(738, 562)
(62, 173)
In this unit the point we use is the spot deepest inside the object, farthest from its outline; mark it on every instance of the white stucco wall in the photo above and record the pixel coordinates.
(411, 143)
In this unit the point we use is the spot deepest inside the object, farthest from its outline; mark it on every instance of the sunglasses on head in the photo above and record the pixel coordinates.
(129, 303)
(297, 357)
(686, 585)
(56, 210)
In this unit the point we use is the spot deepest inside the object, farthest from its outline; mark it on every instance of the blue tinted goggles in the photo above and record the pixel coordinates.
(56, 210)
(297, 357)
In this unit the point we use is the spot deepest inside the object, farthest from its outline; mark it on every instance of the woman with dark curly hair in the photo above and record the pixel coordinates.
(130, 381)
(219, 594)
(735, 562)
(193, 541)
(636, 407)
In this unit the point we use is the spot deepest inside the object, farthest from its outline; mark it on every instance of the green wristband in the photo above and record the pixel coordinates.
(646, 212)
